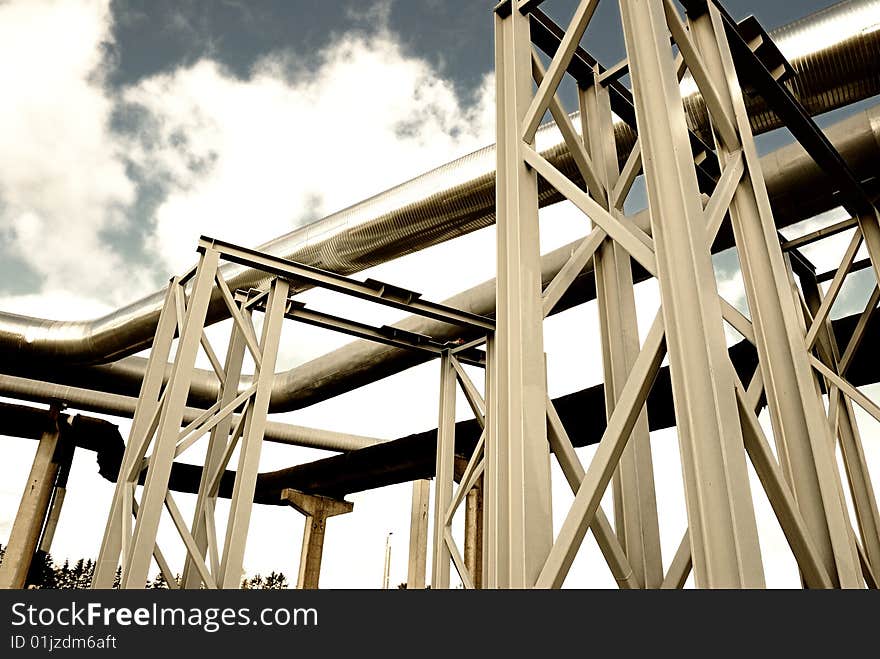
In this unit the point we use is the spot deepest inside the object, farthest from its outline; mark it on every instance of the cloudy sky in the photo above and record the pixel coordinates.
(129, 128)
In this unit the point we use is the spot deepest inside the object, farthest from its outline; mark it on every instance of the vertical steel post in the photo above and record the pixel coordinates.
(723, 532)
(859, 477)
(796, 412)
(444, 472)
(242, 500)
(520, 485)
(138, 441)
(135, 571)
(635, 501)
(418, 534)
(216, 449)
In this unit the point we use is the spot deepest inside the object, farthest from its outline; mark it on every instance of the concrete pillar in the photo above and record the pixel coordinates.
(473, 533)
(418, 534)
(316, 510)
(32, 510)
(65, 461)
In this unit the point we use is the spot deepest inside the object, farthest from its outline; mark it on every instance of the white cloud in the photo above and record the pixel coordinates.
(251, 159)
(59, 305)
(62, 180)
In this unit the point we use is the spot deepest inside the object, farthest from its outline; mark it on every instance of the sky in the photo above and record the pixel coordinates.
(129, 128)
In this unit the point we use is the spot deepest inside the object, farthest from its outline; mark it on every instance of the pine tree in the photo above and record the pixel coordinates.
(159, 582)
(43, 573)
(76, 573)
(275, 581)
(84, 581)
(254, 583)
(64, 576)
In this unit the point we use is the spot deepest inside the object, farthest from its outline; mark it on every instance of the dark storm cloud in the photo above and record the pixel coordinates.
(455, 35)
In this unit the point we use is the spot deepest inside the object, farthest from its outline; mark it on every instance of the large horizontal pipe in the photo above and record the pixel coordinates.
(798, 189)
(413, 457)
(84, 432)
(832, 53)
(582, 414)
(100, 436)
(119, 405)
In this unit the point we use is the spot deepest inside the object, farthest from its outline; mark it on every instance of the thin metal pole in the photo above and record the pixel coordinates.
(316, 509)
(386, 571)
(66, 450)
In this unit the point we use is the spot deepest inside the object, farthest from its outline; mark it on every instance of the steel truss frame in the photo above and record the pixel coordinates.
(693, 189)
(716, 412)
(238, 418)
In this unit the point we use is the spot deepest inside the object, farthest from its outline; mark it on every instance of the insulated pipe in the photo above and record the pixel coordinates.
(582, 413)
(117, 405)
(798, 189)
(834, 53)
(412, 457)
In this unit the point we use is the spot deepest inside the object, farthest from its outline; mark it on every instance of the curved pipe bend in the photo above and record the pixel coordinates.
(834, 52)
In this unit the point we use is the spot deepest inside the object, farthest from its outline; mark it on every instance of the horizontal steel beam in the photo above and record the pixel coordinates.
(386, 334)
(371, 290)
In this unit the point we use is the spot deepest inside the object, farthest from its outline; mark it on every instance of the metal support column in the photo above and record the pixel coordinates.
(723, 532)
(444, 474)
(418, 534)
(796, 413)
(316, 510)
(31, 515)
(242, 500)
(859, 478)
(518, 459)
(116, 540)
(143, 540)
(635, 501)
(203, 521)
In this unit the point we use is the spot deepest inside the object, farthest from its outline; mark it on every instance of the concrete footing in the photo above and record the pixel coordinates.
(52, 457)
(316, 510)
(418, 534)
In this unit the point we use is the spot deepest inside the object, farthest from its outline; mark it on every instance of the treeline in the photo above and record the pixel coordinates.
(46, 574)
